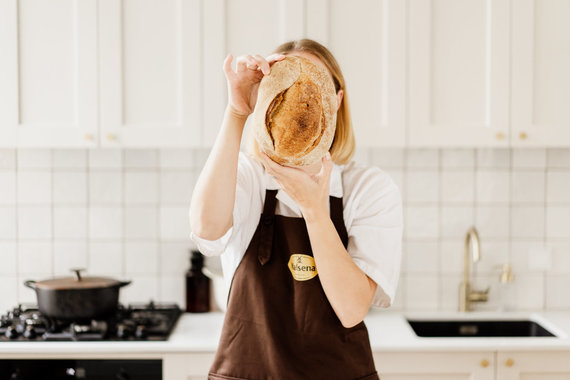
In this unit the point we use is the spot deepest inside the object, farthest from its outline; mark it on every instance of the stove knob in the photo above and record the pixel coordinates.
(123, 332)
(16, 375)
(11, 332)
(141, 332)
(30, 332)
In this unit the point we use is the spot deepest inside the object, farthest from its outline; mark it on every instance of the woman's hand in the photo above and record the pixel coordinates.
(310, 192)
(243, 84)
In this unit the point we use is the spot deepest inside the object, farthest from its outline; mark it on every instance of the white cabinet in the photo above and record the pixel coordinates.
(533, 365)
(540, 77)
(435, 365)
(149, 79)
(458, 73)
(48, 73)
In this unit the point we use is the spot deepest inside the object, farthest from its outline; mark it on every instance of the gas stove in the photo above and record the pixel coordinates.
(135, 322)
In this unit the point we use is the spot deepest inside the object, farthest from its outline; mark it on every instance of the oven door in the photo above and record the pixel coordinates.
(80, 369)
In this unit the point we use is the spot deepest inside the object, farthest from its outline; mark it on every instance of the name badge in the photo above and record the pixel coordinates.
(302, 267)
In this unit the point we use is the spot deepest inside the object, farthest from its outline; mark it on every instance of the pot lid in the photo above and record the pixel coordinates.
(78, 282)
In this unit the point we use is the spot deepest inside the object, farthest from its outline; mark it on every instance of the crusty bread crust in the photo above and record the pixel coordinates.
(294, 119)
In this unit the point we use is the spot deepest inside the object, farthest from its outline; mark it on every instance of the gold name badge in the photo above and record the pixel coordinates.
(302, 267)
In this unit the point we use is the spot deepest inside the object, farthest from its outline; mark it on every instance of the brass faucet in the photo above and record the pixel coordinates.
(466, 295)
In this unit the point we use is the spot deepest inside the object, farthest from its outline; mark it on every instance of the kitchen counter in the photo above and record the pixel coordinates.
(388, 331)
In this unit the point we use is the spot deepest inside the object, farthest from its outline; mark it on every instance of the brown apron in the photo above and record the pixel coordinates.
(279, 327)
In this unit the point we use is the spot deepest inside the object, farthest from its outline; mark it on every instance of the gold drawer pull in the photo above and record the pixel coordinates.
(500, 135)
(523, 135)
(111, 137)
(88, 136)
(509, 362)
(484, 363)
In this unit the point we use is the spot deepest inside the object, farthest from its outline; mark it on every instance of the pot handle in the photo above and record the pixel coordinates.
(30, 284)
(124, 283)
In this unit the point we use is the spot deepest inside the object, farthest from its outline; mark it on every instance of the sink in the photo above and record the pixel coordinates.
(478, 328)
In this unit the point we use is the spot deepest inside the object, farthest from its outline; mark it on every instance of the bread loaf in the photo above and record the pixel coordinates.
(294, 119)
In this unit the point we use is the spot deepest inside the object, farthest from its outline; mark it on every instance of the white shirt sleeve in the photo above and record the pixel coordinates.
(375, 234)
(243, 197)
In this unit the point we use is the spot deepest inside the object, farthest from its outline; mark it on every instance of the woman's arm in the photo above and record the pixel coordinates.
(348, 289)
(212, 203)
(211, 207)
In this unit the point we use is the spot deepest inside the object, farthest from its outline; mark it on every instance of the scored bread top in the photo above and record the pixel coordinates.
(294, 119)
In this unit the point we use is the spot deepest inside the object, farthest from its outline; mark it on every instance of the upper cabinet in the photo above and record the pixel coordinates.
(150, 82)
(48, 73)
(458, 73)
(129, 73)
(540, 89)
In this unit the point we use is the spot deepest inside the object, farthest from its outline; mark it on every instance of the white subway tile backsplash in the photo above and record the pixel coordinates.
(34, 159)
(106, 187)
(8, 258)
(174, 223)
(140, 158)
(422, 186)
(558, 158)
(34, 187)
(35, 257)
(557, 225)
(527, 221)
(69, 187)
(69, 159)
(34, 222)
(529, 158)
(492, 186)
(527, 186)
(68, 255)
(557, 286)
(492, 221)
(9, 286)
(176, 158)
(462, 158)
(7, 188)
(421, 222)
(141, 187)
(105, 257)
(141, 257)
(493, 158)
(176, 186)
(70, 222)
(141, 222)
(7, 159)
(558, 183)
(457, 186)
(456, 220)
(8, 225)
(124, 214)
(105, 222)
(105, 158)
(422, 158)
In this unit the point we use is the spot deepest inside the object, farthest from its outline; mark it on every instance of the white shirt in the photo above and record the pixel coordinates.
(372, 212)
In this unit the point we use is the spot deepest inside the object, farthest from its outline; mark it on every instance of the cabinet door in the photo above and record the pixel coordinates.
(150, 76)
(540, 75)
(48, 73)
(458, 72)
(187, 366)
(532, 365)
(435, 365)
(368, 39)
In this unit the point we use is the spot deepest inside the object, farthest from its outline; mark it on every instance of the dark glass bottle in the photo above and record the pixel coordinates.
(197, 285)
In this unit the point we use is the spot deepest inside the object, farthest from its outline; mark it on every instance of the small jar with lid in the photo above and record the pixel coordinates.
(197, 285)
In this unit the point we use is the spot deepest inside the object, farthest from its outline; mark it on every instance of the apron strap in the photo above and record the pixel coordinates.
(336, 212)
(266, 232)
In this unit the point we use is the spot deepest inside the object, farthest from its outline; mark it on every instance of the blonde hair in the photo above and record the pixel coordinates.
(343, 145)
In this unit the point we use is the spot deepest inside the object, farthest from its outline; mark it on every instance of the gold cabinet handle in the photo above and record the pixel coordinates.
(88, 136)
(111, 137)
(484, 363)
(523, 135)
(500, 135)
(509, 362)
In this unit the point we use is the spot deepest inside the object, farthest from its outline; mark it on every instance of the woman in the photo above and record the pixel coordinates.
(302, 272)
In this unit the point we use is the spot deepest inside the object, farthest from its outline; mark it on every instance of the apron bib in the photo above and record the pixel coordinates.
(279, 323)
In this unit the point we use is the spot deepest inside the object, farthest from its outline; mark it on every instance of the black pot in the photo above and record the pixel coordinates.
(79, 297)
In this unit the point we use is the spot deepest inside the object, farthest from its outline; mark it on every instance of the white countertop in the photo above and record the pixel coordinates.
(388, 331)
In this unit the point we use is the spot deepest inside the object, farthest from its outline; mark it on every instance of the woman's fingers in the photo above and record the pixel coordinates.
(228, 66)
(263, 64)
